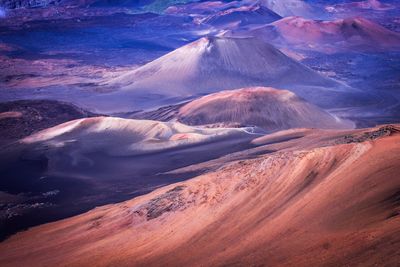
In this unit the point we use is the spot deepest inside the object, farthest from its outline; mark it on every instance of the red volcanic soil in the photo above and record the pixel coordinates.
(327, 198)
(265, 107)
(331, 36)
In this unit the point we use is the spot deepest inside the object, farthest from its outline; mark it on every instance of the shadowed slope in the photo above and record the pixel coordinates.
(19, 119)
(241, 16)
(115, 136)
(73, 167)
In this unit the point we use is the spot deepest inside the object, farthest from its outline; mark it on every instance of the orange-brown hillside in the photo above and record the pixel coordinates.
(324, 198)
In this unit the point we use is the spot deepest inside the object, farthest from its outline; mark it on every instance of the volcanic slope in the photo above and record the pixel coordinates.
(89, 162)
(351, 34)
(264, 107)
(211, 64)
(287, 8)
(361, 5)
(334, 203)
(268, 108)
(241, 16)
(117, 136)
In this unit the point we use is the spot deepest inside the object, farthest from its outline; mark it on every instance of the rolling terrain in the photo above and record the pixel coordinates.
(351, 34)
(80, 164)
(199, 133)
(325, 198)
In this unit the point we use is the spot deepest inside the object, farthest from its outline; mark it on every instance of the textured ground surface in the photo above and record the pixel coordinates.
(323, 204)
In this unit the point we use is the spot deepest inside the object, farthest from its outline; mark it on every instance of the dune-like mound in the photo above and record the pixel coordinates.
(269, 108)
(330, 36)
(333, 203)
(217, 63)
(21, 118)
(116, 136)
(78, 165)
(242, 16)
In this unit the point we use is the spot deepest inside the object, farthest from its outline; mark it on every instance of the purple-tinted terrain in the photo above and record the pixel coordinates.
(107, 101)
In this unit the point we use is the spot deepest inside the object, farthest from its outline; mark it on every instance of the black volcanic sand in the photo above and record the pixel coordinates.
(57, 188)
(107, 39)
(36, 115)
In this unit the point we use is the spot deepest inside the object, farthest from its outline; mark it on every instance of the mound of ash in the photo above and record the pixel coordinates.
(268, 108)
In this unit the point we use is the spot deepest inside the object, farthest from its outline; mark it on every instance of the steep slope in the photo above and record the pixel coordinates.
(328, 204)
(216, 63)
(242, 16)
(330, 36)
(267, 108)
